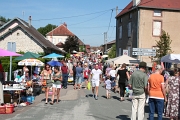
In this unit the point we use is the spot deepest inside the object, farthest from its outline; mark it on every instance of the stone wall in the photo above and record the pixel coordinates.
(23, 42)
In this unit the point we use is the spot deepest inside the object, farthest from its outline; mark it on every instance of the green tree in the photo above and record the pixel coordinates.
(163, 45)
(71, 44)
(112, 52)
(3, 19)
(46, 29)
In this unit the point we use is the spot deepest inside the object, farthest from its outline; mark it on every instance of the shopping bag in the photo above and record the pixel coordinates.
(89, 85)
(44, 82)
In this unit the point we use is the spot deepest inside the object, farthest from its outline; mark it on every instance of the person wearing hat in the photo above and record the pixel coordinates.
(138, 83)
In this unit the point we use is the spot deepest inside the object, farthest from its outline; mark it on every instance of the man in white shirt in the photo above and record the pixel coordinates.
(96, 76)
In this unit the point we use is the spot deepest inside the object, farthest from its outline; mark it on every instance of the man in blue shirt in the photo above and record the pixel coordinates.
(79, 71)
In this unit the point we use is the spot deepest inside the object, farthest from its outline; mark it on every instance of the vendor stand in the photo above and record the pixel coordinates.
(4, 53)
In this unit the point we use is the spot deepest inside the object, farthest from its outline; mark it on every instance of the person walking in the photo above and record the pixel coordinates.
(86, 72)
(74, 72)
(108, 87)
(173, 107)
(96, 76)
(46, 76)
(138, 83)
(123, 78)
(79, 71)
(112, 74)
(65, 73)
(157, 93)
(56, 87)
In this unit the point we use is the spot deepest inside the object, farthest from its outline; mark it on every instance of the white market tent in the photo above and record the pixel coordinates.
(122, 59)
(171, 58)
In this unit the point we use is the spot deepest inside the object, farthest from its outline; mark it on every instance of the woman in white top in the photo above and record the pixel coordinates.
(112, 74)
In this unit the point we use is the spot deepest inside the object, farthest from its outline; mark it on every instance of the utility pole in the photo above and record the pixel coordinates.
(105, 41)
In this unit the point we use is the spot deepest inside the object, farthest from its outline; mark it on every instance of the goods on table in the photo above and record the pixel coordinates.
(7, 108)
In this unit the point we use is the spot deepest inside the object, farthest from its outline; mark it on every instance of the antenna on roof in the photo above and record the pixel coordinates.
(60, 21)
(23, 13)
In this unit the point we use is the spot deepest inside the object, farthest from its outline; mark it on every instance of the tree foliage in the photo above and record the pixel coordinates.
(163, 45)
(3, 19)
(46, 29)
(71, 44)
(112, 52)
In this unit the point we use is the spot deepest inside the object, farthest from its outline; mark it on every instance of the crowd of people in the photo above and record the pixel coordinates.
(159, 88)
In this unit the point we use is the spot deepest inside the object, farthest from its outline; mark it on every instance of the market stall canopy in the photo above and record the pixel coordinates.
(171, 58)
(53, 55)
(8, 53)
(104, 56)
(123, 59)
(28, 55)
(54, 63)
(112, 60)
(31, 62)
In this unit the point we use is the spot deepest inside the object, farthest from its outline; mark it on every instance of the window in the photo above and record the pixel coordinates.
(17, 34)
(157, 13)
(157, 28)
(120, 32)
(129, 29)
(119, 51)
(130, 15)
(120, 20)
(53, 40)
(60, 40)
(129, 50)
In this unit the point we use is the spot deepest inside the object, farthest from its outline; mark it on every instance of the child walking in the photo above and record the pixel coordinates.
(108, 87)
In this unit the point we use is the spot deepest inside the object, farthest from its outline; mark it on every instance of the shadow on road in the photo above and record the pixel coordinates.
(89, 95)
(115, 97)
(123, 117)
(104, 96)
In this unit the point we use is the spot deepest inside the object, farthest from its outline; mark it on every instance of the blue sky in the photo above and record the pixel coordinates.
(88, 19)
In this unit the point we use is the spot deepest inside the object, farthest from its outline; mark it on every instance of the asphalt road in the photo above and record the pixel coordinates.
(80, 105)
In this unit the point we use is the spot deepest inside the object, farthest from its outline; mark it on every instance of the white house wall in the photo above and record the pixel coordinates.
(56, 39)
(23, 42)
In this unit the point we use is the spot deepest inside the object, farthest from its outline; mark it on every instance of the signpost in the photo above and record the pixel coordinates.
(125, 52)
(144, 52)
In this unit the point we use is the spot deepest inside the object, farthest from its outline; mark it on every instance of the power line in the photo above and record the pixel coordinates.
(87, 20)
(73, 16)
(111, 33)
(91, 34)
(92, 27)
(110, 20)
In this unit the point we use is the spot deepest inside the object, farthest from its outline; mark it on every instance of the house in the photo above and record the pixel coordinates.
(25, 37)
(59, 35)
(141, 22)
(109, 45)
(1, 23)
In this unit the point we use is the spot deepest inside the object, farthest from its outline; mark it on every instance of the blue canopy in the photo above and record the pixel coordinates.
(54, 63)
(53, 55)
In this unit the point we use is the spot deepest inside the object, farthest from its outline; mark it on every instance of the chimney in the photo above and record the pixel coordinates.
(65, 24)
(136, 2)
(29, 21)
(117, 10)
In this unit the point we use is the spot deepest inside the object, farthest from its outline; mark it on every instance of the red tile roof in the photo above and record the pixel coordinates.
(161, 4)
(60, 31)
